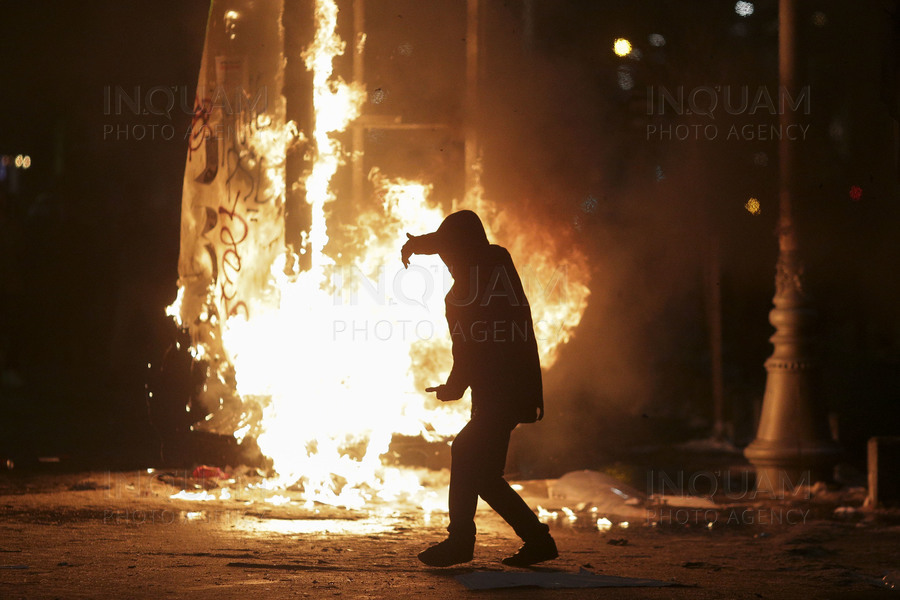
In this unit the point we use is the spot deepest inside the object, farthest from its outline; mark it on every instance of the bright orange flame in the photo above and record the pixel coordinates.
(329, 363)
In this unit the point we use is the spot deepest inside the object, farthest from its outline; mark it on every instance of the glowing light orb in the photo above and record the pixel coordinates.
(622, 47)
(753, 207)
(744, 9)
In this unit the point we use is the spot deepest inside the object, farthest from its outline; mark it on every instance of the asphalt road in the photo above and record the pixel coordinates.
(94, 535)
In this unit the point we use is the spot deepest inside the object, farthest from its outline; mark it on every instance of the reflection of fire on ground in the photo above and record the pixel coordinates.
(324, 366)
(580, 500)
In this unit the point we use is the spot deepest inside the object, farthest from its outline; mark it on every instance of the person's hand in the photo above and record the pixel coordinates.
(407, 250)
(445, 394)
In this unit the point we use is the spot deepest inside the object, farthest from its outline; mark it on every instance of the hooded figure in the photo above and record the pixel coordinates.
(495, 354)
(494, 348)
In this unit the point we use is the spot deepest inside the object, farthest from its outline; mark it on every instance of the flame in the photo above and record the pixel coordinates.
(329, 363)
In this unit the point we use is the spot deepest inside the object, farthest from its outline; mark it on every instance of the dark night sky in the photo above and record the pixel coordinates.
(90, 241)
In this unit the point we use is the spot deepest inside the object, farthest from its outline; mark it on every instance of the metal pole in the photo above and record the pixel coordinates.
(792, 444)
(471, 143)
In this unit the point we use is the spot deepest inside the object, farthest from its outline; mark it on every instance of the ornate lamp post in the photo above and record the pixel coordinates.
(792, 444)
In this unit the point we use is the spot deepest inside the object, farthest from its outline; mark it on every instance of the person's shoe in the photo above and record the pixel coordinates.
(533, 552)
(447, 553)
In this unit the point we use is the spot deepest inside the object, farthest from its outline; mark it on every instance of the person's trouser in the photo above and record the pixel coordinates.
(478, 458)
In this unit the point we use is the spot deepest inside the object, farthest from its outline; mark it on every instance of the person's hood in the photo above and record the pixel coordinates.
(460, 233)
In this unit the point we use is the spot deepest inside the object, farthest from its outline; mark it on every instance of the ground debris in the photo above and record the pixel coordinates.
(87, 485)
(187, 483)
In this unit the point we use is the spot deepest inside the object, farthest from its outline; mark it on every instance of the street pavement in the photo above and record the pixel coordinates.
(122, 535)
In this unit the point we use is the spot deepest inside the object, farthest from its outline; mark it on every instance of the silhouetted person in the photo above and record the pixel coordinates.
(495, 354)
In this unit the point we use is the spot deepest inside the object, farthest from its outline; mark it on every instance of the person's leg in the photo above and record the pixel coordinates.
(460, 544)
(478, 460)
(463, 498)
(495, 490)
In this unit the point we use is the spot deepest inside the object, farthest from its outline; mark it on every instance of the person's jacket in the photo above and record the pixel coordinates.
(494, 348)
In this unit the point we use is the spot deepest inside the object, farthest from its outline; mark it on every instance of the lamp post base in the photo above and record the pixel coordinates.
(783, 466)
(793, 445)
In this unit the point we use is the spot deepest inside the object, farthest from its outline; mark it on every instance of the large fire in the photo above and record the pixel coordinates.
(324, 365)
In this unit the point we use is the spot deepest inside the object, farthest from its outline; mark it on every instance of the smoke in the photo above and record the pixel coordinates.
(555, 150)
(564, 157)
(562, 127)
(565, 147)
(559, 161)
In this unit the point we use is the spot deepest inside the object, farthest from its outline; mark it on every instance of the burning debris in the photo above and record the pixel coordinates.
(318, 350)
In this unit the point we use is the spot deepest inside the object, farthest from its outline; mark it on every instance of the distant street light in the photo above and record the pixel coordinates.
(622, 47)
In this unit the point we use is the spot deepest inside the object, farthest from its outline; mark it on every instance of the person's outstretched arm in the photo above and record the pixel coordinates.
(417, 244)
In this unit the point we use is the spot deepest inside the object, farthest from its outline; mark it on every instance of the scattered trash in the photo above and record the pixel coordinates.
(491, 580)
(207, 472)
(818, 488)
(617, 542)
(187, 483)
(845, 511)
(599, 490)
